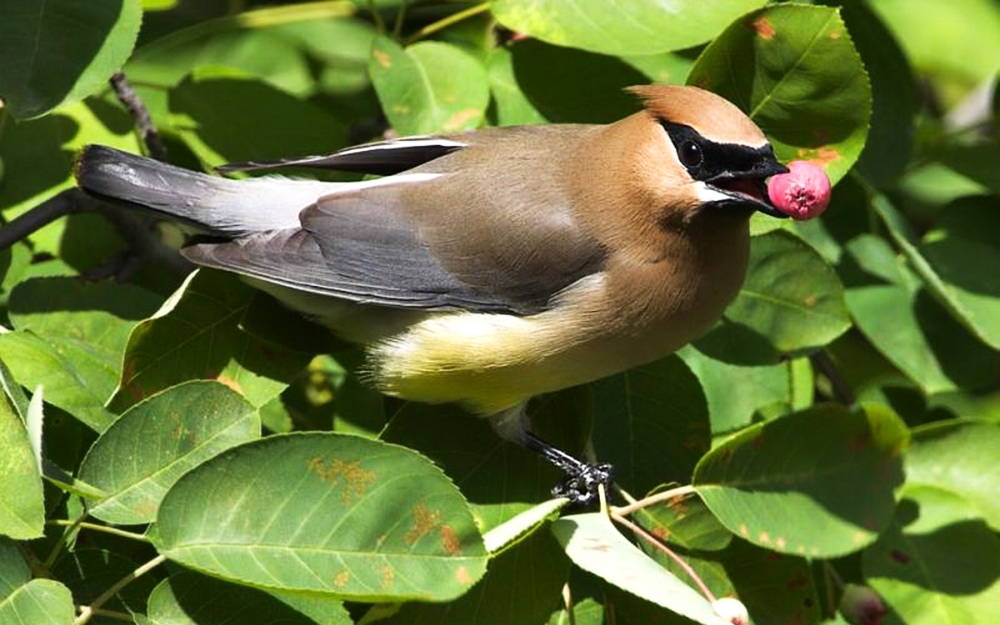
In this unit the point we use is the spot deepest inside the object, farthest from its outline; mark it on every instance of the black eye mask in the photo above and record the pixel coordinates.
(709, 161)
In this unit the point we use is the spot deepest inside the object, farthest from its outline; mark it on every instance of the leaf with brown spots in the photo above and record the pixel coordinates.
(176, 430)
(328, 515)
(818, 483)
(795, 71)
(429, 87)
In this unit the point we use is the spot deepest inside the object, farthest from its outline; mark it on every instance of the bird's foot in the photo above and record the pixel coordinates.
(583, 480)
(582, 483)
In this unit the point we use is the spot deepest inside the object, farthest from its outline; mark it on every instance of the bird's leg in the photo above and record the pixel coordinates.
(582, 479)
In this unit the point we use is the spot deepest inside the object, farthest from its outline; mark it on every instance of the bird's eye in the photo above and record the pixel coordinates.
(690, 154)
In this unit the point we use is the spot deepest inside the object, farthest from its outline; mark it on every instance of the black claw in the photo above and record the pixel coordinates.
(581, 486)
(582, 480)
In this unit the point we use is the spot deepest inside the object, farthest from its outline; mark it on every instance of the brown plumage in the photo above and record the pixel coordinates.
(491, 266)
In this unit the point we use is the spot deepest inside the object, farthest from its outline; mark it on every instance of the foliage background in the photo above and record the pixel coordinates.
(176, 452)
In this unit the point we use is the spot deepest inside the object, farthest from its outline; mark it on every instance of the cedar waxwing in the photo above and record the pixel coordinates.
(488, 267)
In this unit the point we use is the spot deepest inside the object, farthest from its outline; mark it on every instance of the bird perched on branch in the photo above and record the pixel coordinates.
(488, 267)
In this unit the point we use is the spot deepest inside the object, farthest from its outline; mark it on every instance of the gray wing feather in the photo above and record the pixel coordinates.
(383, 158)
(450, 242)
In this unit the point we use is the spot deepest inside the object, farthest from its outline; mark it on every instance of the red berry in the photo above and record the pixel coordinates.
(802, 193)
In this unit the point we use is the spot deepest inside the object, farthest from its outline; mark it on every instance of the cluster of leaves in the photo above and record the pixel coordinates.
(175, 453)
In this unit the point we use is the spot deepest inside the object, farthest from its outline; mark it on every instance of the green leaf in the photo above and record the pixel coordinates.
(957, 41)
(511, 532)
(38, 155)
(22, 511)
(202, 111)
(89, 572)
(14, 570)
(959, 457)
(686, 521)
(188, 598)
(935, 564)
(38, 602)
(62, 50)
(887, 316)
(791, 296)
(499, 479)
(522, 586)
(735, 393)
(894, 96)
(512, 106)
(956, 267)
(653, 424)
(429, 87)
(148, 448)
(817, 483)
(324, 513)
(87, 324)
(596, 546)
(72, 381)
(572, 86)
(621, 27)
(196, 335)
(794, 70)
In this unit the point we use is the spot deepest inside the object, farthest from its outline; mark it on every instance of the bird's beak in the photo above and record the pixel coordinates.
(749, 187)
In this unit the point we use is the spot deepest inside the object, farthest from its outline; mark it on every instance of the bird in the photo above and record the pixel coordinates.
(488, 267)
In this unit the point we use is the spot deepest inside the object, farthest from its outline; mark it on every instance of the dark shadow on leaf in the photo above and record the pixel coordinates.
(568, 85)
(961, 558)
(210, 601)
(737, 344)
(964, 359)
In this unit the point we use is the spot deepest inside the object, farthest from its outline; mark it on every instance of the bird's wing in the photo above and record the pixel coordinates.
(383, 158)
(458, 239)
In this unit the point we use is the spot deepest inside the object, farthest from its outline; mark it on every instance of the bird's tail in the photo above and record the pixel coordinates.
(211, 204)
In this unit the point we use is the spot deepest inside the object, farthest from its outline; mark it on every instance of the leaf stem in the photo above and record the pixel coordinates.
(445, 22)
(666, 495)
(87, 611)
(667, 551)
(99, 528)
(377, 17)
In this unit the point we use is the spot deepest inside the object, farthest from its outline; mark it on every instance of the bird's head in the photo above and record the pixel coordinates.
(706, 151)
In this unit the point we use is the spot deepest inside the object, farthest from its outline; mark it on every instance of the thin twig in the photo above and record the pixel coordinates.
(397, 28)
(377, 17)
(24, 225)
(654, 499)
(445, 22)
(659, 546)
(98, 528)
(87, 611)
(841, 390)
(140, 114)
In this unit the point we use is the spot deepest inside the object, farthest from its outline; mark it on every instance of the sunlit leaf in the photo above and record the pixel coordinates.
(791, 296)
(429, 87)
(959, 457)
(324, 513)
(936, 563)
(794, 70)
(621, 27)
(596, 546)
(196, 335)
(151, 445)
(816, 483)
(22, 512)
